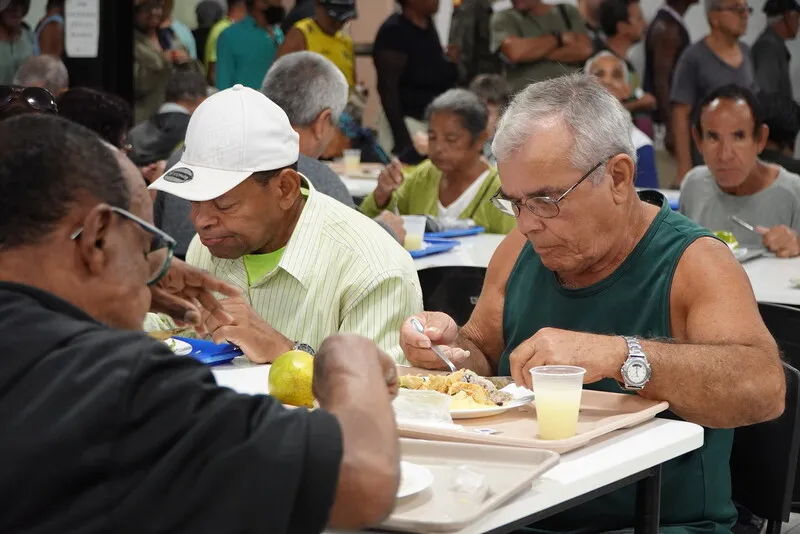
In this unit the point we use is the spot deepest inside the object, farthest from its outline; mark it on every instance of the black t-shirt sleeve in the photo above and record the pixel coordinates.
(200, 458)
(391, 37)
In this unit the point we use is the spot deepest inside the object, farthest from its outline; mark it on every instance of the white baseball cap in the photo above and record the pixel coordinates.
(231, 135)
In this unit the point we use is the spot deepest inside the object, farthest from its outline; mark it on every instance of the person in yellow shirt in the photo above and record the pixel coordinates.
(324, 35)
(236, 12)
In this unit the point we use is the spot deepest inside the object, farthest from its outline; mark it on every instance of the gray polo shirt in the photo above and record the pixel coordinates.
(705, 203)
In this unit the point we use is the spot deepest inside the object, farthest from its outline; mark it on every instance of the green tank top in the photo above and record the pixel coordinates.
(634, 300)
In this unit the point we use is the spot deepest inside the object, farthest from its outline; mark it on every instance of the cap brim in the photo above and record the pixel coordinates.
(198, 184)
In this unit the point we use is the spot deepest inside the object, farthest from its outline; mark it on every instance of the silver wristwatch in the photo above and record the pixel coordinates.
(636, 369)
(298, 345)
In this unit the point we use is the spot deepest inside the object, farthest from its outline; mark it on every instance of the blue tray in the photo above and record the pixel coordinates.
(458, 232)
(435, 246)
(210, 353)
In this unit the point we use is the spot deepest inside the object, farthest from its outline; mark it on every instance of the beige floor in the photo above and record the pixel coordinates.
(793, 525)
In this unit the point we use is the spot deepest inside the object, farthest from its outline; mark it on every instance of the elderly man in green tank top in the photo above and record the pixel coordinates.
(592, 261)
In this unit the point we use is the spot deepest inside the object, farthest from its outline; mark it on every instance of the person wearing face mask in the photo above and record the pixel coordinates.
(246, 50)
(16, 41)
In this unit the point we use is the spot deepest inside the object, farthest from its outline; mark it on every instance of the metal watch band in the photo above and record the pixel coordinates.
(299, 345)
(634, 347)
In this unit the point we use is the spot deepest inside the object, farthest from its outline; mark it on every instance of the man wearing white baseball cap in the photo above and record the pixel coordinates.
(308, 266)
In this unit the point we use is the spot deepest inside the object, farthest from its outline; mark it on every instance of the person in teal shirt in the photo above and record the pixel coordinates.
(592, 261)
(246, 50)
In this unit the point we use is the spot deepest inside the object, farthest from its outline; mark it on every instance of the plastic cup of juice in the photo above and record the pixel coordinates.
(352, 161)
(414, 226)
(557, 389)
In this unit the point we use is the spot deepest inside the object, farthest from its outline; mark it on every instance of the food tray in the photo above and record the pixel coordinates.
(508, 471)
(601, 413)
(367, 171)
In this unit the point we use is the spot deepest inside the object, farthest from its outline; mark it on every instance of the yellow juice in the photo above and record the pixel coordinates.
(413, 241)
(352, 163)
(557, 412)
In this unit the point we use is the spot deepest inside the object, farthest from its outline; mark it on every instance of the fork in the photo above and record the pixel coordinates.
(421, 329)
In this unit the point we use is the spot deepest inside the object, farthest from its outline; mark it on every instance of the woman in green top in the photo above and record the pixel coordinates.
(456, 182)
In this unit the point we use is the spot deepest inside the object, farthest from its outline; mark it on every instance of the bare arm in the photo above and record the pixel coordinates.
(350, 381)
(527, 49)
(295, 41)
(577, 48)
(51, 40)
(666, 39)
(724, 370)
(683, 138)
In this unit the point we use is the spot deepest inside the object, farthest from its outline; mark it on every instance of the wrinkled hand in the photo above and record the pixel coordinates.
(395, 224)
(247, 330)
(389, 180)
(179, 56)
(601, 356)
(569, 38)
(187, 294)
(420, 142)
(440, 329)
(781, 240)
(348, 354)
(153, 171)
(453, 53)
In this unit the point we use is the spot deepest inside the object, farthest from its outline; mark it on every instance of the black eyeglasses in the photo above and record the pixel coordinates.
(544, 207)
(33, 97)
(739, 10)
(162, 246)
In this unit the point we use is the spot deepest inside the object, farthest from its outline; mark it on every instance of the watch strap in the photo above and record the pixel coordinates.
(304, 347)
(635, 349)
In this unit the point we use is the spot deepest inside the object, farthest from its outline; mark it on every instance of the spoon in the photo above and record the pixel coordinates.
(421, 329)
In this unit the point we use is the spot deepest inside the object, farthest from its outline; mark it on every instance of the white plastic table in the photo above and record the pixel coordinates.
(623, 457)
(769, 276)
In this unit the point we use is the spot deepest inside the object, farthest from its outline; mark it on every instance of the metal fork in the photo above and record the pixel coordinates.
(421, 329)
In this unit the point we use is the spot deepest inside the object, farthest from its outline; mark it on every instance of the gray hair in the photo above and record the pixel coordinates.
(44, 71)
(304, 84)
(466, 105)
(600, 126)
(587, 68)
(712, 5)
(186, 85)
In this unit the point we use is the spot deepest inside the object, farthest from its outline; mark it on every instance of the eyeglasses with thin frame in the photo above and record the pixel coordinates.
(162, 245)
(544, 207)
(739, 9)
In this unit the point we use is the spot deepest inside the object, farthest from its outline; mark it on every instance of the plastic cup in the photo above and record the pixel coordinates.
(414, 226)
(352, 161)
(558, 391)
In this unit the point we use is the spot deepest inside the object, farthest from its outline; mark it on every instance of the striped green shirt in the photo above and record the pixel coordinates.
(340, 273)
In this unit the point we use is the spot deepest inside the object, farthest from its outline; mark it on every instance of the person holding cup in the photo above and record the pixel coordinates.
(456, 182)
(600, 277)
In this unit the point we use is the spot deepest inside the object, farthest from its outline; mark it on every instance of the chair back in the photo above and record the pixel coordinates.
(452, 290)
(764, 459)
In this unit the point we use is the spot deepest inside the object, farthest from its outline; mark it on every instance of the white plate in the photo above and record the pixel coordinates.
(413, 479)
(181, 348)
(739, 252)
(486, 412)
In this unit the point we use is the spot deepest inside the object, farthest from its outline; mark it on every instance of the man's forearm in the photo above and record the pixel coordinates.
(527, 49)
(683, 139)
(572, 53)
(717, 386)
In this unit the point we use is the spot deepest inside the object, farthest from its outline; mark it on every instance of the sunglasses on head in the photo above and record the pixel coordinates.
(33, 97)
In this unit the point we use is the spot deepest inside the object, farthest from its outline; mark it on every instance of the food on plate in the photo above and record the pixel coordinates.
(467, 390)
(290, 378)
(728, 238)
(171, 343)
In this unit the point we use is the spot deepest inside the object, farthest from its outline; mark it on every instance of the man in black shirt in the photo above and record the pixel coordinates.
(412, 69)
(782, 117)
(104, 429)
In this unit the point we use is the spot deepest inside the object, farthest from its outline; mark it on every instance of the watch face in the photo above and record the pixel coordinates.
(637, 373)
